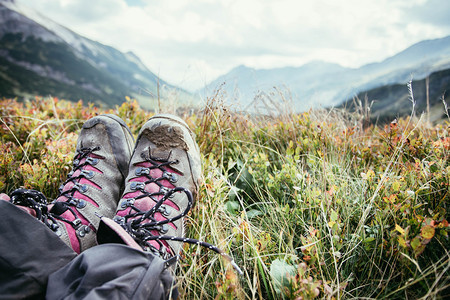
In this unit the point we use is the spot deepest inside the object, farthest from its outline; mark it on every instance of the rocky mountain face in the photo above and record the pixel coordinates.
(324, 84)
(41, 57)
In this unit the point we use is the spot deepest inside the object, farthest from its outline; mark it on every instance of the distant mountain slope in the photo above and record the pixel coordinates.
(324, 84)
(39, 56)
(304, 83)
(391, 101)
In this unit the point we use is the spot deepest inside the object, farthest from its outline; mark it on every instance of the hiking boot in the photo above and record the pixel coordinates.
(160, 189)
(96, 182)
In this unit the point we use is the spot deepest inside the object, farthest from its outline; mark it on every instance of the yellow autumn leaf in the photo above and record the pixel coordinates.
(396, 186)
(427, 232)
(402, 242)
(399, 229)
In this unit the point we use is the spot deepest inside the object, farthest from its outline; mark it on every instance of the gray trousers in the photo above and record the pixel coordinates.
(36, 264)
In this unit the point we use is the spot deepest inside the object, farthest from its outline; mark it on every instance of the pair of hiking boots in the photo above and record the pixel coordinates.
(121, 191)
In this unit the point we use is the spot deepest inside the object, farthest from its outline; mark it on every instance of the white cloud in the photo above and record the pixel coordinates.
(190, 42)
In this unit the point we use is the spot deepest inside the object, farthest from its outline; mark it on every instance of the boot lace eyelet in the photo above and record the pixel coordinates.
(163, 229)
(127, 202)
(82, 188)
(165, 191)
(142, 171)
(137, 186)
(81, 204)
(119, 220)
(76, 223)
(92, 161)
(170, 176)
(83, 230)
(165, 210)
(72, 201)
(88, 174)
(54, 227)
(57, 231)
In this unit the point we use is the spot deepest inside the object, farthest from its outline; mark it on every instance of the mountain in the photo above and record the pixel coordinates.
(41, 57)
(324, 84)
(245, 84)
(390, 101)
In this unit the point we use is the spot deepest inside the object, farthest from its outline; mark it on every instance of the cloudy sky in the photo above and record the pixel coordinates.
(191, 42)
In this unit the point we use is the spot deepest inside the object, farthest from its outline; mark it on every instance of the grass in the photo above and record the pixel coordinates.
(311, 205)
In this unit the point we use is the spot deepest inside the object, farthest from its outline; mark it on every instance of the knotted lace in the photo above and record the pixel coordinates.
(142, 225)
(36, 201)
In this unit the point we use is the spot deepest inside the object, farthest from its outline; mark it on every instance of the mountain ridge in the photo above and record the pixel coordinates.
(41, 57)
(326, 84)
(63, 61)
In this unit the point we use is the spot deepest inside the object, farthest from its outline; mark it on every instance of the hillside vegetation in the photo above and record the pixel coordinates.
(389, 101)
(311, 205)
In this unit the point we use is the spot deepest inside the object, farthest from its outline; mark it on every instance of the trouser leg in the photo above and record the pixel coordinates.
(29, 253)
(35, 263)
(113, 271)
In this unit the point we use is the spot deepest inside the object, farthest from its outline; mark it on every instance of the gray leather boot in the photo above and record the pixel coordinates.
(162, 184)
(96, 182)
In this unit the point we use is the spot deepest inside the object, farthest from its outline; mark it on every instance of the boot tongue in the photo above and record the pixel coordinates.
(111, 232)
(159, 154)
(163, 155)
